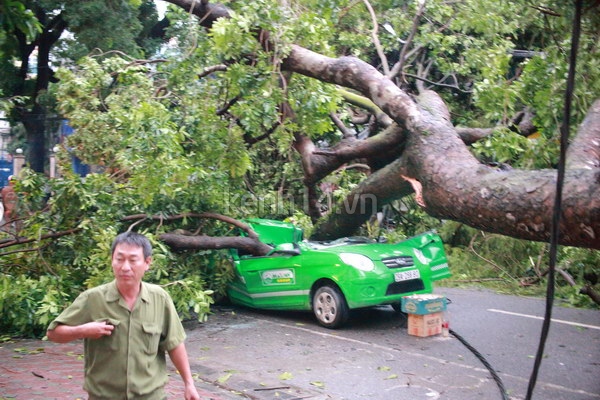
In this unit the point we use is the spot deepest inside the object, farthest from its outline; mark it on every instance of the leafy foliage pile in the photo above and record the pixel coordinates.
(520, 267)
(40, 278)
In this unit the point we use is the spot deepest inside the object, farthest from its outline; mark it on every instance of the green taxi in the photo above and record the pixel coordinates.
(330, 278)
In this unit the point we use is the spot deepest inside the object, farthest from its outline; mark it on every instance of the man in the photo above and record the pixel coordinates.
(9, 201)
(127, 326)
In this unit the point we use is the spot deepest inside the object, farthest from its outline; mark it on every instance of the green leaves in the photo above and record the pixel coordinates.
(189, 296)
(233, 38)
(15, 16)
(27, 305)
(505, 146)
(224, 378)
(285, 376)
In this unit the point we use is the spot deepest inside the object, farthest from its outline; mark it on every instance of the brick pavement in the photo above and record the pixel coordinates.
(40, 370)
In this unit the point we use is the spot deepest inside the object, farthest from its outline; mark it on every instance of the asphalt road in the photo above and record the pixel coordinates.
(283, 355)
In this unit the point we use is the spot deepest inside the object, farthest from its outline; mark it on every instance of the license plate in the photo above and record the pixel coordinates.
(407, 275)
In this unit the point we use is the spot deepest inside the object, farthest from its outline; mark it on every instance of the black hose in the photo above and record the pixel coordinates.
(481, 358)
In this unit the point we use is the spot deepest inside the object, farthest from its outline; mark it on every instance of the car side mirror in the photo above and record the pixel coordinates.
(290, 249)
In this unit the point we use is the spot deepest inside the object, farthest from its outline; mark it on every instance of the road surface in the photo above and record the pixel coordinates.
(268, 354)
(245, 354)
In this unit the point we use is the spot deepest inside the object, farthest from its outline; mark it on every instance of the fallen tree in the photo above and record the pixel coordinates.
(427, 156)
(175, 137)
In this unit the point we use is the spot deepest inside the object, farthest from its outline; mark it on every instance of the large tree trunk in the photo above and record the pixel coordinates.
(35, 126)
(452, 183)
(34, 120)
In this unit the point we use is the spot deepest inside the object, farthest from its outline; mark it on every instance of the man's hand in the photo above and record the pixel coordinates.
(180, 359)
(95, 330)
(90, 330)
(191, 393)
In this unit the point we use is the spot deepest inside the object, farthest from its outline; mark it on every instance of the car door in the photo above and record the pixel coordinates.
(272, 281)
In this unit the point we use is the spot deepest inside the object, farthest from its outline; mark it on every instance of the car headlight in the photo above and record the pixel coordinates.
(358, 261)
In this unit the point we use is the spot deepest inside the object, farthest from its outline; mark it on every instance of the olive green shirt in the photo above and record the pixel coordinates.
(131, 362)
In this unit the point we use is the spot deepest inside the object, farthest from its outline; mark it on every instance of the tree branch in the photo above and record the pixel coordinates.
(397, 69)
(209, 70)
(375, 37)
(232, 221)
(584, 150)
(21, 240)
(185, 242)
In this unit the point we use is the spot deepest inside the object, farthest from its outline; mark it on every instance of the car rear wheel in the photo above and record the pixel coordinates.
(329, 306)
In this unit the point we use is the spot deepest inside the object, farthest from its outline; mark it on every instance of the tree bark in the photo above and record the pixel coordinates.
(186, 241)
(454, 184)
(584, 151)
(183, 242)
(34, 121)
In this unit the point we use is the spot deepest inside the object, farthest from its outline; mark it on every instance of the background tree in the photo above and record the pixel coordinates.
(40, 35)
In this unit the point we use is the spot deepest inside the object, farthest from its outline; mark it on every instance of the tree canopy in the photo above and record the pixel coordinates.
(389, 107)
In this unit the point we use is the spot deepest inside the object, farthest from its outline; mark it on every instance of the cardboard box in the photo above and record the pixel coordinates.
(422, 304)
(425, 325)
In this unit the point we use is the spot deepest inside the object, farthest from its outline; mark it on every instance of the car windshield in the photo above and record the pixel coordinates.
(340, 242)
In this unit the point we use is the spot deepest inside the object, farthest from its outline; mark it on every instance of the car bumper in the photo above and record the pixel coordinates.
(361, 293)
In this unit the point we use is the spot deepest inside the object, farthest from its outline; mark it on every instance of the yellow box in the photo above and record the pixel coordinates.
(425, 325)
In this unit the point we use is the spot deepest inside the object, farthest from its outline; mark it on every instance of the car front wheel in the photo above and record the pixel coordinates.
(329, 306)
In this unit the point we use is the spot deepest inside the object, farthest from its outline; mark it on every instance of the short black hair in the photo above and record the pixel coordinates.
(133, 239)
